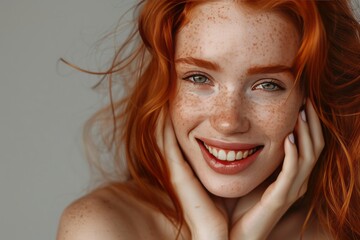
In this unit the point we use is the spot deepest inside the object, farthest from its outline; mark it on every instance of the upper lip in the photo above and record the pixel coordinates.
(228, 145)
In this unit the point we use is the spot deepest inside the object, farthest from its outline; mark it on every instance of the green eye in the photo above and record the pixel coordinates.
(268, 86)
(197, 79)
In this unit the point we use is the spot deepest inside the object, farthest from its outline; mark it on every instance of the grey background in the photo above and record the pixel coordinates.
(43, 106)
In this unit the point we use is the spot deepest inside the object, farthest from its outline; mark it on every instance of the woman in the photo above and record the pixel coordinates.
(242, 122)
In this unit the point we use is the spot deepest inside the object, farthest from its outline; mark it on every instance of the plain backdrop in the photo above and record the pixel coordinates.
(44, 104)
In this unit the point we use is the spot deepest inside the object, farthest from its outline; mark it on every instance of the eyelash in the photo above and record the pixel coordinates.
(271, 82)
(191, 77)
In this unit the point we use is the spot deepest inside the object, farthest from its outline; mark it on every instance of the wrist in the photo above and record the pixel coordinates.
(210, 233)
(207, 236)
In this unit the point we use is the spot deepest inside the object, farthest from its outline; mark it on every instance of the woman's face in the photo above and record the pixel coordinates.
(236, 100)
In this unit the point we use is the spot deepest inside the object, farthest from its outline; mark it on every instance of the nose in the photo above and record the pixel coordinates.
(229, 116)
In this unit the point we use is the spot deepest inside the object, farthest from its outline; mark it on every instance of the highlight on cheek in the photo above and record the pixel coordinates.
(187, 89)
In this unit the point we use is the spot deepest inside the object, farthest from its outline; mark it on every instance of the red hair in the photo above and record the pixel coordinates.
(327, 67)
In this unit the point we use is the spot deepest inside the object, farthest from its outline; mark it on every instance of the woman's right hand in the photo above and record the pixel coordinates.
(271, 202)
(205, 218)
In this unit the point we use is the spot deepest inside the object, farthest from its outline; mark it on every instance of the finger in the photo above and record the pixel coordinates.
(277, 193)
(177, 165)
(306, 158)
(170, 143)
(303, 187)
(290, 165)
(305, 144)
(315, 129)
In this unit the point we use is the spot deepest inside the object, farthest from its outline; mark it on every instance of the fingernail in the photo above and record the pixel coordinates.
(291, 138)
(303, 115)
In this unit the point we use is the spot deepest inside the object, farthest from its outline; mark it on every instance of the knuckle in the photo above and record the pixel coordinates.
(303, 190)
(319, 148)
(321, 144)
(311, 157)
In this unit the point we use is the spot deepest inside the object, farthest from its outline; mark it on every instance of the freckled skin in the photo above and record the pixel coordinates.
(229, 107)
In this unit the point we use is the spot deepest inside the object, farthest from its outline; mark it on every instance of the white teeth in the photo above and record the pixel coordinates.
(239, 155)
(230, 155)
(215, 153)
(222, 155)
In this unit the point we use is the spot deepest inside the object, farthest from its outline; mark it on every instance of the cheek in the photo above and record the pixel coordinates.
(276, 121)
(186, 110)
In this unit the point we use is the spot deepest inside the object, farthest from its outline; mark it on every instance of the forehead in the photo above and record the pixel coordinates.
(227, 28)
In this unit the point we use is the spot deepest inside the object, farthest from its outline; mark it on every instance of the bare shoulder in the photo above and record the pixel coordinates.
(107, 214)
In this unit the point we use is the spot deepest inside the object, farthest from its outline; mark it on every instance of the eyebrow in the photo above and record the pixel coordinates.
(199, 62)
(251, 71)
(269, 69)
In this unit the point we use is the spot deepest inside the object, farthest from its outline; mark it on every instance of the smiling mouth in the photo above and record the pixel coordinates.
(230, 155)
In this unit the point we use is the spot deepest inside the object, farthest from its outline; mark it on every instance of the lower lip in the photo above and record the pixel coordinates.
(227, 167)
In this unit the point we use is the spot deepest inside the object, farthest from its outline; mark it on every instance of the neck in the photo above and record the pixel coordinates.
(236, 207)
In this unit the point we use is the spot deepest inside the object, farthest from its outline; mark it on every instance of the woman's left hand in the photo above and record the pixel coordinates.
(257, 221)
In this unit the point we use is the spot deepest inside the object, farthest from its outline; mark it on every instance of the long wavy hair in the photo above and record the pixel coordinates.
(327, 66)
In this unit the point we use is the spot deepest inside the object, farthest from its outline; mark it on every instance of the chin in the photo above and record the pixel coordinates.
(228, 190)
